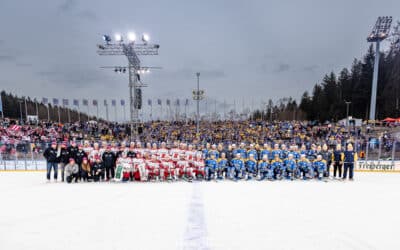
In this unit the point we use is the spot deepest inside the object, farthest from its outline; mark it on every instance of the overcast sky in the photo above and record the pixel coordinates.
(253, 49)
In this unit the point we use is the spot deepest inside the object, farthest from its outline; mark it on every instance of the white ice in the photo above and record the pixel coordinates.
(363, 214)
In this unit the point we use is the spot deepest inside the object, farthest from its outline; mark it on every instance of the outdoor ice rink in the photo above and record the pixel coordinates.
(363, 214)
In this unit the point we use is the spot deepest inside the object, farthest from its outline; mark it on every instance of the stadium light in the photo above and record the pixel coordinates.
(379, 33)
(131, 36)
(106, 38)
(118, 37)
(145, 38)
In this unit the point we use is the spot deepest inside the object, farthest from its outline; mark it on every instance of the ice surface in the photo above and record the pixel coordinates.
(363, 214)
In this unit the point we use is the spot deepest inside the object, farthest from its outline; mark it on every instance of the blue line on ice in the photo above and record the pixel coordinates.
(196, 232)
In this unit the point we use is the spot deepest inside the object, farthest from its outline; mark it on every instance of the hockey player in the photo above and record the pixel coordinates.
(242, 150)
(319, 167)
(305, 167)
(139, 167)
(175, 152)
(283, 152)
(190, 153)
(327, 157)
(198, 166)
(168, 170)
(223, 167)
(213, 151)
(51, 160)
(211, 167)
(251, 167)
(252, 151)
(124, 167)
(162, 152)
(290, 167)
(154, 169)
(277, 167)
(263, 167)
(94, 153)
(275, 152)
(265, 151)
(238, 167)
(182, 166)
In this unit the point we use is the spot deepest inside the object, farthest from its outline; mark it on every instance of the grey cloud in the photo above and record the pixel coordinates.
(23, 64)
(190, 73)
(71, 7)
(7, 58)
(310, 68)
(282, 68)
(77, 77)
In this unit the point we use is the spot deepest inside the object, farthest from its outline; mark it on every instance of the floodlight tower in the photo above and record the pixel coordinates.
(379, 33)
(131, 50)
(198, 95)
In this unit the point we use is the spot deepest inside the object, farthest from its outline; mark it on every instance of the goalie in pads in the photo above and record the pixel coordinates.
(124, 168)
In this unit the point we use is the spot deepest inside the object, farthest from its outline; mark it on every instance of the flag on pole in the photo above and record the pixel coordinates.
(76, 102)
(95, 103)
(177, 102)
(159, 102)
(113, 103)
(122, 102)
(55, 101)
(65, 102)
(105, 103)
(149, 102)
(45, 100)
(187, 102)
(1, 105)
(168, 102)
(85, 102)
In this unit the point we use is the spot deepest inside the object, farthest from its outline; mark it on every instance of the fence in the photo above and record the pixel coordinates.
(29, 156)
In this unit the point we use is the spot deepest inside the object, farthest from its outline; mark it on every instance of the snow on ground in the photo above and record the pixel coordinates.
(363, 214)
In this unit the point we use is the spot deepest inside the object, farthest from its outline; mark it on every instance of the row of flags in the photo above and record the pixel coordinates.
(85, 102)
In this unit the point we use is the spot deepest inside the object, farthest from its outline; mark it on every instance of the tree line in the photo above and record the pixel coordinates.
(327, 101)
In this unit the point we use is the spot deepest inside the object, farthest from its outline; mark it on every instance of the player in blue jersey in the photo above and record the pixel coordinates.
(210, 168)
(319, 167)
(277, 167)
(238, 166)
(263, 168)
(251, 167)
(264, 151)
(305, 167)
(252, 151)
(223, 166)
(290, 167)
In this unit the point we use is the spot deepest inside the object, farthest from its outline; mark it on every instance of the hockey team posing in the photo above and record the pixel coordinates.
(185, 162)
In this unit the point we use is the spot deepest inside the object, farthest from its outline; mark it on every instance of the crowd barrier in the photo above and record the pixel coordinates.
(375, 155)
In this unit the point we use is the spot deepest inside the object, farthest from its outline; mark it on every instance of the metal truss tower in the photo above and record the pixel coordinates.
(379, 33)
(131, 50)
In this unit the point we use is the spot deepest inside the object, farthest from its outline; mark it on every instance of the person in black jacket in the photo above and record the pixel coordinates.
(79, 156)
(63, 159)
(51, 157)
(72, 150)
(98, 170)
(109, 162)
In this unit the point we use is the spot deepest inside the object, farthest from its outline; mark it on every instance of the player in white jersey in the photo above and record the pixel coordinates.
(139, 150)
(139, 168)
(152, 168)
(154, 150)
(124, 168)
(182, 167)
(190, 153)
(198, 166)
(168, 170)
(95, 153)
(87, 148)
(162, 151)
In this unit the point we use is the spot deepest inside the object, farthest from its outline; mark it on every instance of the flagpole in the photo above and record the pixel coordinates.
(26, 110)
(37, 112)
(48, 112)
(69, 116)
(106, 111)
(88, 111)
(97, 108)
(115, 112)
(2, 110)
(58, 111)
(124, 114)
(79, 114)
